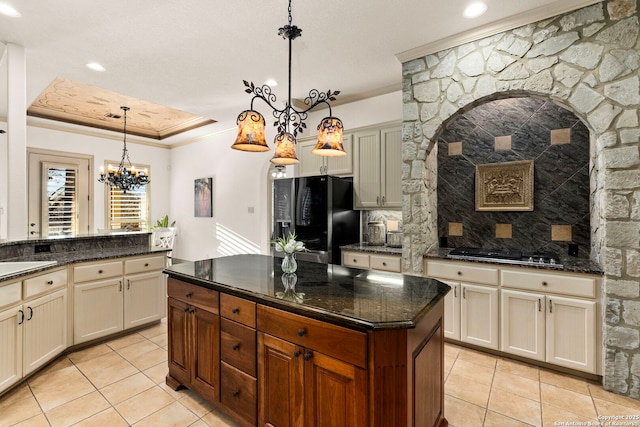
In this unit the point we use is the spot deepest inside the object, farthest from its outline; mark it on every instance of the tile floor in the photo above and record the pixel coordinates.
(121, 383)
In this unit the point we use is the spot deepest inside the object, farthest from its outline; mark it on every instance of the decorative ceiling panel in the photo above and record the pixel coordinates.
(82, 104)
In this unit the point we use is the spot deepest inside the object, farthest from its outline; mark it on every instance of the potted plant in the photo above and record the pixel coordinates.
(163, 233)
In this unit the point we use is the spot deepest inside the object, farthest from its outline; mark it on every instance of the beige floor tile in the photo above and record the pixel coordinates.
(109, 417)
(161, 340)
(77, 410)
(466, 389)
(598, 392)
(17, 406)
(125, 341)
(518, 368)
(473, 371)
(60, 363)
(176, 394)
(552, 416)
(174, 415)
(37, 421)
(89, 353)
(138, 349)
(195, 403)
(518, 385)
(448, 363)
(606, 407)
(106, 369)
(199, 423)
(478, 358)
(154, 331)
(157, 373)
(493, 419)
(516, 407)
(126, 388)
(218, 419)
(565, 381)
(149, 359)
(144, 404)
(463, 414)
(58, 387)
(451, 350)
(568, 400)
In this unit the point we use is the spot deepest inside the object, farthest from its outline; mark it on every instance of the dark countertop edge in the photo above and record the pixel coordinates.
(81, 256)
(364, 247)
(308, 311)
(4, 242)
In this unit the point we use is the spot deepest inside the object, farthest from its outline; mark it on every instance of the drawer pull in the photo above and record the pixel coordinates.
(302, 332)
(545, 283)
(128, 284)
(236, 393)
(189, 294)
(49, 282)
(295, 353)
(235, 311)
(464, 293)
(146, 264)
(21, 317)
(539, 305)
(459, 273)
(120, 288)
(355, 260)
(30, 313)
(550, 306)
(455, 292)
(236, 347)
(308, 356)
(99, 271)
(384, 263)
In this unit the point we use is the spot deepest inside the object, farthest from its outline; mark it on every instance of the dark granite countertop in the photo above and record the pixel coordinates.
(364, 247)
(362, 299)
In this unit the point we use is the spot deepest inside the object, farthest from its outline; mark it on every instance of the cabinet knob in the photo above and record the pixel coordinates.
(188, 295)
(302, 332)
(146, 264)
(236, 393)
(99, 271)
(544, 283)
(459, 273)
(49, 282)
(355, 261)
(308, 356)
(236, 347)
(235, 311)
(384, 263)
(186, 310)
(295, 353)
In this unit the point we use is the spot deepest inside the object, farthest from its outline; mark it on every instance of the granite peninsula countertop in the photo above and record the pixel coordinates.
(363, 299)
(379, 249)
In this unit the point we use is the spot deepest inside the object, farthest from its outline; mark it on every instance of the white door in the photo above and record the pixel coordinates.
(10, 346)
(144, 299)
(452, 311)
(571, 333)
(479, 315)
(98, 309)
(522, 321)
(367, 174)
(59, 193)
(310, 164)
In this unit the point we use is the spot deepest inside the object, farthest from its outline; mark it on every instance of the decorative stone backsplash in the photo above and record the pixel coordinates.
(508, 130)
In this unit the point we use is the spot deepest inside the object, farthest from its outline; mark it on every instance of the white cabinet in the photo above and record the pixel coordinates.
(311, 164)
(522, 323)
(377, 179)
(479, 315)
(10, 346)
(452, 312)
(114, 295)
(383, 262)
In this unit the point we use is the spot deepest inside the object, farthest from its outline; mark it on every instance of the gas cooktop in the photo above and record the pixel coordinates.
(507, 256)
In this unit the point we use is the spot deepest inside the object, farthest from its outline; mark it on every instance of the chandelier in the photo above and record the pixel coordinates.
(123, 178)
(289, 120)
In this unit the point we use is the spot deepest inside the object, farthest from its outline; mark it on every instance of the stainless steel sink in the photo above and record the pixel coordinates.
(9, 268)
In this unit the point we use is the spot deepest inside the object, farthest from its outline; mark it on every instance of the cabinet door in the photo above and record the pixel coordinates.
(45, 329)
(205, 353)
(178, 335)
(310, 164)
(367, 176)
(452, 312)
(144, 299)
(571, 333)
(522, 324)
(335, 392)
(479, 315)
(10, 346)
(97, 308)
(280, 370)
(342, 165)
(391, 162)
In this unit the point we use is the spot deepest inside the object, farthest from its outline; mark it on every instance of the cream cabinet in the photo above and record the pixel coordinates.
(377, 178)
(311, 164)
(34, 330)
(373, 261)
(114, 295)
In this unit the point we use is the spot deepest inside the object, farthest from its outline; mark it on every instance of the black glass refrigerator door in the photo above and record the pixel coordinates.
(283, 198)
(311, 212)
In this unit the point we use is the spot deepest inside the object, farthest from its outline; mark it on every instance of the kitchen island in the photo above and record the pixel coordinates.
(328, 346)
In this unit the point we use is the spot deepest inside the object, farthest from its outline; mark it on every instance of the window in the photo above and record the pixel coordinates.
(60, 213)
(128, 211)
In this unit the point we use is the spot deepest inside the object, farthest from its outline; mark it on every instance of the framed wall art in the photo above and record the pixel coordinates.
(504, 186)
(203, 197)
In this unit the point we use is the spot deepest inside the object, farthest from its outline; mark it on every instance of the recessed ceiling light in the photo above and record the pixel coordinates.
(95, 66)
(475, 9)
(8, 10)
(271, 83)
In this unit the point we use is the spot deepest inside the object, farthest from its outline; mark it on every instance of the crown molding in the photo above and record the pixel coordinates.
(496, 27)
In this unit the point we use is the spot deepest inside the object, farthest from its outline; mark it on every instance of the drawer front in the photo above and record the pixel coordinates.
(581, 286)
(10, 293)
(45, 282)
(342, 343)
(462, 272)
(143, 265)
(238, 391)
(238, 309)
(355, 259)
(198, 296)
(97, 271)
(238, 346)
(385, 262)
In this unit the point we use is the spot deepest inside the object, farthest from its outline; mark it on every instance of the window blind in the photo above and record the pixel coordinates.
(61, 203)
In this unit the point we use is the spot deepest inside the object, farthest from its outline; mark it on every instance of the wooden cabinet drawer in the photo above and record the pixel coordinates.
(238, 346)
(462, 273)
(198, 296)
(97, 271)
(10, 293)
(238, 391)
(45, 282)
(385, 262)
(581, 286)
(142, 265)
(238, 309)
(355, 259)
(337, 341)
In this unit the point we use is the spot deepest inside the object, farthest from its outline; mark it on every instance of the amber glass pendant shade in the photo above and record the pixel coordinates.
(329, 138)
(250, 132)
(285, 150)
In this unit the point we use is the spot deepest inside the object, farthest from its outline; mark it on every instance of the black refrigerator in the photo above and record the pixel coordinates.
(319, 210)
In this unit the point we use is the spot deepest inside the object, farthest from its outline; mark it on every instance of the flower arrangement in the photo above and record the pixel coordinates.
(289, 245)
